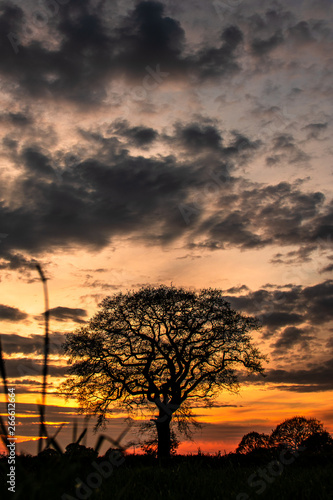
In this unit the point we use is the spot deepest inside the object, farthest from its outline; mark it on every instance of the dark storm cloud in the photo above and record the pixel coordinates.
(264, 46)
(266, 215)
(107, 192)
(61, 313)
(94, 47)
(329, 343)
(17, 119)
(36, 162)
(233, 229)
(320, 302)
(285, 148)
(90, 53)
(291, 337)
(27, 367)
(92, 195)
(316, 378)
(196, 137)
(139, 136)
(276, 320)
(33, 344)
(276, 27)
(200, 137)
(8, 313)
(221, 61)
(238, 289)
(314, 130)
(327, 269)
(277, 308)
(302, 254)
(148, 37)
(15, 261)
(308, 32)
(301, 32)
(271, 20)
(322, 231)
(95, 200)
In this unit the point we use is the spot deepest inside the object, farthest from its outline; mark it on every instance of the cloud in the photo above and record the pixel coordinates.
(285, 148)
(203, 140)
(94, 50)
(37, 163)
(102, 189)
(27, 367)
(197, 137)
(8, 313)
(103, 193)
(262, 47)
(264, 215)
(329, 343)
(18, 119)
(301, 32)
(62, 313)
(278, 319)
(210, 63)
(16, 261)
(291, 337)
(316, 378)
(238, 289)
(314, 130)
(302, 254)
(327, 269)
(288, 307)
(106, 192)
(33, 344)
(139, 136)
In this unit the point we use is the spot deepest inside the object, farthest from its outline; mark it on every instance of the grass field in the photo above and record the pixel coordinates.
(184, 477)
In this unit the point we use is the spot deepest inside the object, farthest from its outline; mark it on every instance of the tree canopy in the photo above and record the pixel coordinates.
(253, 441)
(293, 431)
(159, 345)
(296, 433)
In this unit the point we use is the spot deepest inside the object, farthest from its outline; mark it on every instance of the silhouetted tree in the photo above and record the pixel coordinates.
(318, 442)
(252, 441)
(150, 445)
(160, 345)
(76, 450)
(293, 431)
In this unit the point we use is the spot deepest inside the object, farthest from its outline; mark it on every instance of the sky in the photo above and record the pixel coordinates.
(147, 142)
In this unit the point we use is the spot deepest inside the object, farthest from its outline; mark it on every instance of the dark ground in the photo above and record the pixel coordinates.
(267, 474)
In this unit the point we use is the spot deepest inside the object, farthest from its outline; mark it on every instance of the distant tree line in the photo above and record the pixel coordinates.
(295, 433)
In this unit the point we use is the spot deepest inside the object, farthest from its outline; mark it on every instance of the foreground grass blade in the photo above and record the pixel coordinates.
(81, 436)
(4, 434)
(46, 351)
(115, 442)
(3, 371)
(74, 431)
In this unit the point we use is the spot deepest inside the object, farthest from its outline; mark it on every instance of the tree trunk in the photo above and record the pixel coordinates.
(163, 435)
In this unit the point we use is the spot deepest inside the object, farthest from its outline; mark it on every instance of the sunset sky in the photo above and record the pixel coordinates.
(147, 142)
